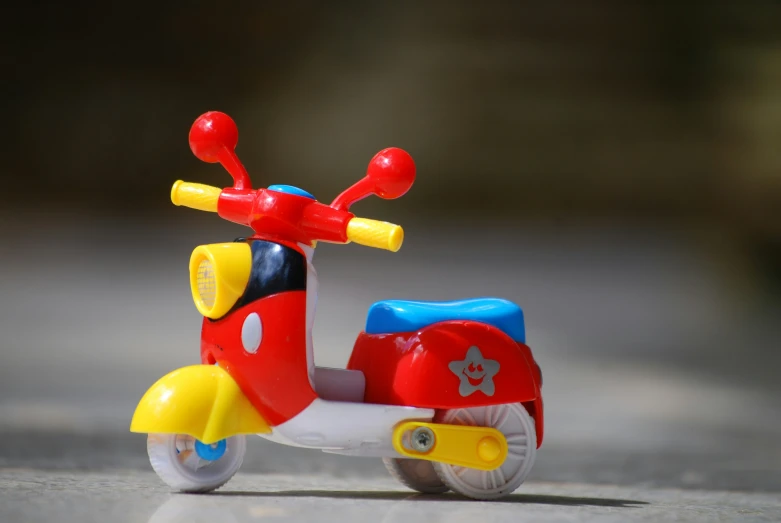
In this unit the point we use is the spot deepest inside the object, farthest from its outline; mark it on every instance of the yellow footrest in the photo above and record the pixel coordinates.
(482, 448)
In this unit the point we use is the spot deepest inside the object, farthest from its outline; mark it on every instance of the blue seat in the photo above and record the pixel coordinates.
(406, 316)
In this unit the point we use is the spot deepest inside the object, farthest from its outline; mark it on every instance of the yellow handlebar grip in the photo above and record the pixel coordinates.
(195, 196)
(371, 233)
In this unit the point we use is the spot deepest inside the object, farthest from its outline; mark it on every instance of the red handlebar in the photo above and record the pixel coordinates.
(213, 138)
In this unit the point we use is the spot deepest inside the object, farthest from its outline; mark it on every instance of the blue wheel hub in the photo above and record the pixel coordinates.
(211, 452)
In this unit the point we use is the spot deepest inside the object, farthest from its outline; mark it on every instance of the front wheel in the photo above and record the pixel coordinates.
(187, 465)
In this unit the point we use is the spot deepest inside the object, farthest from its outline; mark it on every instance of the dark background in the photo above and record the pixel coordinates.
(664, 110)
(612, 166)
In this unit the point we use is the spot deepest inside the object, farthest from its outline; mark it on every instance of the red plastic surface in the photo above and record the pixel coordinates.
(414, 368)
(274, 378)
(281, 216)
(213, 138)
(390, 175)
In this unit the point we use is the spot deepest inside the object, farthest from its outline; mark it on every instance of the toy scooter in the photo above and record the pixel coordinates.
(446, 393)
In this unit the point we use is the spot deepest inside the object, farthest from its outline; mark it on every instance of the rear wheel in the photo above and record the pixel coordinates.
(187, 465)
(416, 474)
(517, 425)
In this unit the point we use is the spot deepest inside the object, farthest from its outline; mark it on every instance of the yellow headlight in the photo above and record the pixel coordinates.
(218, 276)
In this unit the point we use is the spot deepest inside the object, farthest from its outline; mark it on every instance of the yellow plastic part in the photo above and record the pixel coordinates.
(195, 195)
(482, 448)
(202, 401)
(489, 449)
(371, 233)
(218, 276)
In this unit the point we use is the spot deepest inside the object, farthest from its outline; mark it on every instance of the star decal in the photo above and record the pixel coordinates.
(475, 372)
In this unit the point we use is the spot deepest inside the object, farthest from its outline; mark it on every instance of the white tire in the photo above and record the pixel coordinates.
(417, 474)
(517, 425)
(176, 461)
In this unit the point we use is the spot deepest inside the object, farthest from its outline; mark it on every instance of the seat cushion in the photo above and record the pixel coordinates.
(405, 316)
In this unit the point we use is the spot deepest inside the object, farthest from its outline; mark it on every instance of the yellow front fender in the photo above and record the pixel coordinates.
(202, 401)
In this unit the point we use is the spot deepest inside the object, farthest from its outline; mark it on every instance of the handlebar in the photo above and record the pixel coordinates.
(372, 233)
(195, 196)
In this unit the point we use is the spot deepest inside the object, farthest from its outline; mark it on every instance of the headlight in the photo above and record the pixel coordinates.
(218, 276)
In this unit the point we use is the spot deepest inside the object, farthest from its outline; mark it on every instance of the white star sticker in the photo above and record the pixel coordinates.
(475, 373)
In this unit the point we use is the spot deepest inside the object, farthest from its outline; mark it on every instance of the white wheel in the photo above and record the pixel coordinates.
(514, 422)
(417, 474)
(188, 465)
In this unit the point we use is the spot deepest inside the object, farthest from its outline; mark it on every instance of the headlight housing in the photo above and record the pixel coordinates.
(218, 276)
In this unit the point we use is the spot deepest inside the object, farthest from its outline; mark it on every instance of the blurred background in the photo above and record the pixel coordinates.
(612, 167)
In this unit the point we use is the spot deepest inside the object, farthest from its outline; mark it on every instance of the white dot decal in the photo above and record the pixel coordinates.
(251, 333)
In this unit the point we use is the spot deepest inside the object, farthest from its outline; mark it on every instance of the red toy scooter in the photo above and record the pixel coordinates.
(447, 393)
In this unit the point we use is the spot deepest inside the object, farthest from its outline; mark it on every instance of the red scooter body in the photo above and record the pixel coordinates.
(426, 368)
(274, 378)
(447, 393)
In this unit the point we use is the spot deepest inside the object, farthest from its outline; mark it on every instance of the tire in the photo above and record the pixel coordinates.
(174, 458)
(417, 474)
(517, 425)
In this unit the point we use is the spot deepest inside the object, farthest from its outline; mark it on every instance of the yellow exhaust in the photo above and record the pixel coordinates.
(482, 448)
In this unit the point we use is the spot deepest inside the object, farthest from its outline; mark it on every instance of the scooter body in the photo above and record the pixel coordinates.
(448, 355)
(447, 393)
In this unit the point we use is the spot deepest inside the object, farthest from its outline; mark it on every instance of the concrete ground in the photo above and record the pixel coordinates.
(135, 496)
(660, 365)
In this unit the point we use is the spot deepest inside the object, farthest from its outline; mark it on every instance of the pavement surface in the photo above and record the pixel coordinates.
(135, 497)
(660, 360)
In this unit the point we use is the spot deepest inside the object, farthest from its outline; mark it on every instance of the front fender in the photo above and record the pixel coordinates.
(202, 401)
